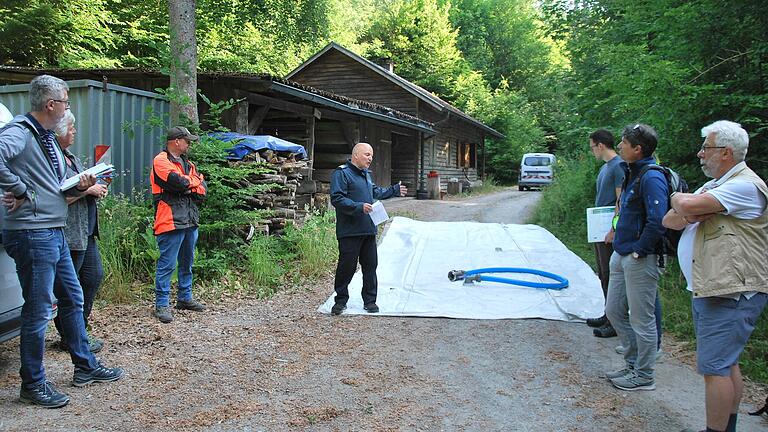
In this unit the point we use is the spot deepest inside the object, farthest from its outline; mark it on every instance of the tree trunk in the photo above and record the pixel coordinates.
(183, 91)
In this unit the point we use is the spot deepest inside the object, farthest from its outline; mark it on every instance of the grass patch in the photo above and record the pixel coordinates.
(562, 212)
(224, 262)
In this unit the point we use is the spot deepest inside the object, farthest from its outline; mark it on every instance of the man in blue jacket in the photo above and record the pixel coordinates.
(634, 263)
(352, 194)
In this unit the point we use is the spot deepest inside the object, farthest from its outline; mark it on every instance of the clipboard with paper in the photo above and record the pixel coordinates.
(599, 220)
(97, 170)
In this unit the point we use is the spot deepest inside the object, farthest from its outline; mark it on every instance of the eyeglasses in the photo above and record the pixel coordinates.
(66, 102)
(704, 147)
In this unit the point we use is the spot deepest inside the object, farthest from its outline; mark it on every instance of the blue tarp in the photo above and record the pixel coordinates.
(250, 143)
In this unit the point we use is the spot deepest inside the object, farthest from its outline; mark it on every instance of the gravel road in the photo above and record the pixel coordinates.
(273, 365)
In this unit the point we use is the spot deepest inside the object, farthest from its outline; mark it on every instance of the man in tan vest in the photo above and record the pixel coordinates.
(722, 254)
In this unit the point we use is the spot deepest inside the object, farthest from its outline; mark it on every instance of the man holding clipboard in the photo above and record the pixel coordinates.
(609, 181)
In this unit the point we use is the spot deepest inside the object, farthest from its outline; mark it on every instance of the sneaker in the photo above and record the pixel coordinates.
(371, 308)
(619, 373)
(606, 331)
(164, 314)
(44, 395)
(338, 308)
(95, 345)
(190, 304)
(597, 322)
(100, 374)
(633, 381)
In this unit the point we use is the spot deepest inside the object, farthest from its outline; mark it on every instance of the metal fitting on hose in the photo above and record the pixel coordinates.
(455, 275)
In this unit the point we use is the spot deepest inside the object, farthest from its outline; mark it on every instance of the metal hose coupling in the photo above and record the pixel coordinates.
(455, 275)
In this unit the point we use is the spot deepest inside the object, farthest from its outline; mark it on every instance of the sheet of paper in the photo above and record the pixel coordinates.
(599, 222)
(98, 169)
(379, 213)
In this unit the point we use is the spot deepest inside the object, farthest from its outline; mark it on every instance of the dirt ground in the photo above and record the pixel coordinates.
(274, 365)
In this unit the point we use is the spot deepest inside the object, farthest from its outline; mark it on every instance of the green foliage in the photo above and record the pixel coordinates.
(128, 248)
(561, 209)
(264, 265)
(314, 244)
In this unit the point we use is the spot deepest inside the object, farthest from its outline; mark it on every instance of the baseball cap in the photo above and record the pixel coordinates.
(181, 132)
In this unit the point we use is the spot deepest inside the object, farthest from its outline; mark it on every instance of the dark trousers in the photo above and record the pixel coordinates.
(90, 273)
(603, 253)
(352, 249)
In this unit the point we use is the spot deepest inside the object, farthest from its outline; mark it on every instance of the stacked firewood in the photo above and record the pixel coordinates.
(288, 203)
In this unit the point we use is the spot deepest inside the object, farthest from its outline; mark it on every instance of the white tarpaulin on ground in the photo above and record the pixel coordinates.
(415, 258)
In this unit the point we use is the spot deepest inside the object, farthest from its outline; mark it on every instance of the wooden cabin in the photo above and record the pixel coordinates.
(451, 151)
(328, 125)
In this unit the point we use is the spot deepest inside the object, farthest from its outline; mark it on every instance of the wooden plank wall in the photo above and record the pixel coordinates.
(441, 151)
(342, 75)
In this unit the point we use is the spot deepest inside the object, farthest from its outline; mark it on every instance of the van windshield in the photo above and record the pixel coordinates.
(537, 161)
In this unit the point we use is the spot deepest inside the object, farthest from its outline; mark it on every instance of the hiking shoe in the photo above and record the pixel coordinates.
(164, 314)
(371, 308)
(95, 345)
(44, 395)
(633, 381)
(190, 304)
(606, 331)
(100, 374)
(619, 373)
(338, 308)
(597, 322)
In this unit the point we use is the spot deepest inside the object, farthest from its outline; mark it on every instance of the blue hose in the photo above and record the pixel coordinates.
(475, 276)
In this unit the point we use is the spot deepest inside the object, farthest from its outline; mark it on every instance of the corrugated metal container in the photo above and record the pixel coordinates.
(116, 116)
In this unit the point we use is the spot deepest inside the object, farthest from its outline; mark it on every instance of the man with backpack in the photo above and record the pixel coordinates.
(722, 254)
(634, 265)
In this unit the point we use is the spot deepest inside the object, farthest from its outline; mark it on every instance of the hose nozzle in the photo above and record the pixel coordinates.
(455, 275)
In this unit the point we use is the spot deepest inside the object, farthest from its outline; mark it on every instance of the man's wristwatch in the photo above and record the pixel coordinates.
(635, 255)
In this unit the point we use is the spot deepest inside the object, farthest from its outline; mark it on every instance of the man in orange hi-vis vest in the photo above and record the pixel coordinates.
(177, 188)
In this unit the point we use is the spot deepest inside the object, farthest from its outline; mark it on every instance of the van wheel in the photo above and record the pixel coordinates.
(520, 188)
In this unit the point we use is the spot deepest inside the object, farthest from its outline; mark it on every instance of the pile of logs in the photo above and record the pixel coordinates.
(289, 203)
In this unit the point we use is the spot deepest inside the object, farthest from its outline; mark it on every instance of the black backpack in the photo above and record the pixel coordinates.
(675, 183)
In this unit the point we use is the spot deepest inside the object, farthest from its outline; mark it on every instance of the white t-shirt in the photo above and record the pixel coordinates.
(741, 200)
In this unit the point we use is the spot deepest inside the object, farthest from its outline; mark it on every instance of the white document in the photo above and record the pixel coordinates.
(599, 220)
(97, 170)
(379, 213)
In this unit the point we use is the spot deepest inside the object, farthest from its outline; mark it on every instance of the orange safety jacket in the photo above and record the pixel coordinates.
(177, 188)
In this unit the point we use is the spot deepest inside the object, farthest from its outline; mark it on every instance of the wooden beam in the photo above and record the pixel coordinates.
(241, 121)
(351, 133)
(278, 104)
(257, 118)
(311, 135)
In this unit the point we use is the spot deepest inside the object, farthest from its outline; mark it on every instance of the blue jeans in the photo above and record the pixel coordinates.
(90, 273)
(175, 246)
(42, 257)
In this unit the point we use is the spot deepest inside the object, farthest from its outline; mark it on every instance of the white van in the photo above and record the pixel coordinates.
(536, 170)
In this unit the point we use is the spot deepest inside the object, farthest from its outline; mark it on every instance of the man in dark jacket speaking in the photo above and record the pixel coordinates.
(352, 194)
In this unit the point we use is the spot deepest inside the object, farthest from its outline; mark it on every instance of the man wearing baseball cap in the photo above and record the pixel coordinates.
(177, 189)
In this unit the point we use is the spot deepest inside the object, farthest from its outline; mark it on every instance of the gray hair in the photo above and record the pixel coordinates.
(729, 134)
(62, 127)
(44, 88)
